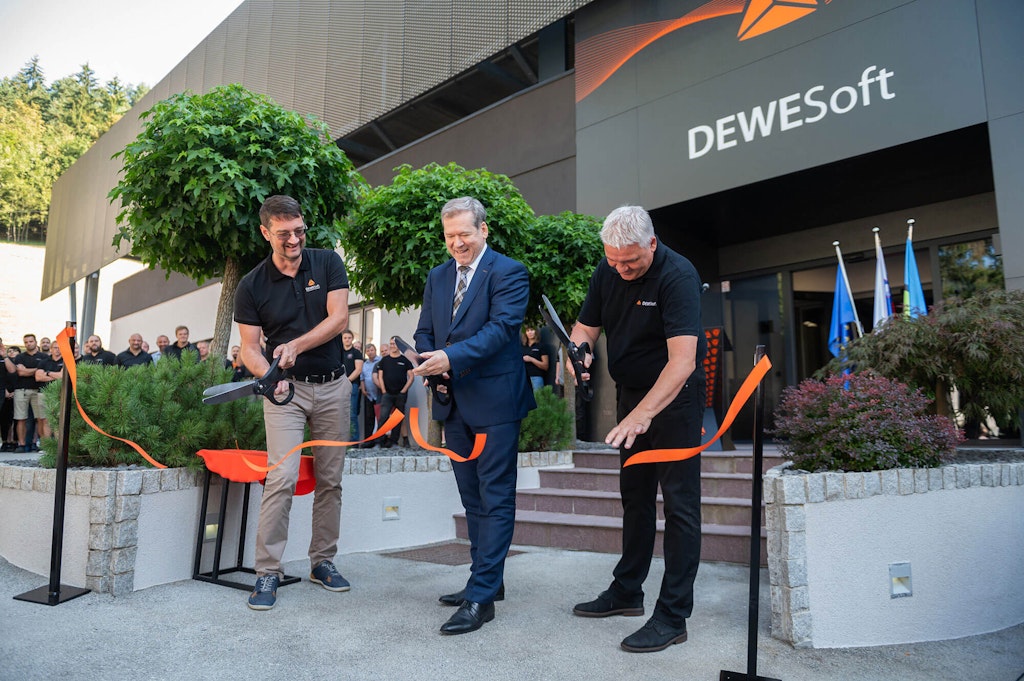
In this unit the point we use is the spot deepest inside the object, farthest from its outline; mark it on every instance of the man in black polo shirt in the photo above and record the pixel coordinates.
(50, 369)
(134, 356)
(180, 344)
(26, 390)
(352, 358)
(647, 299)
(298, 300)
(394, 378)
(95, 354)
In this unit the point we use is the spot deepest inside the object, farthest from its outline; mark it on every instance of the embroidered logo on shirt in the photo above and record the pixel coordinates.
(647, 303)
(312, 286)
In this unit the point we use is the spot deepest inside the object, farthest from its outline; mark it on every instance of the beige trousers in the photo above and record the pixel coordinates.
(325, 407)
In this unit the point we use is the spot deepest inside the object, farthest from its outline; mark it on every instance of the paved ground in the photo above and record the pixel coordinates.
(386, 628)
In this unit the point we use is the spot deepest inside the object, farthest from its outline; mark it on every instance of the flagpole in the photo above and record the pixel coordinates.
(849, 291)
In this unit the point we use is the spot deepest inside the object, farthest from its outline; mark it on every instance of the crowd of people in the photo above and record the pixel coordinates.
(29, 367)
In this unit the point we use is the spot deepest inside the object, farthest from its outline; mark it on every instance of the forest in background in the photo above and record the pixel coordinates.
(44, 128)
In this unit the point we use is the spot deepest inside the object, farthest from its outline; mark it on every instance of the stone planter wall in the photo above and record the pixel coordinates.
(832, 537)
(128, 529)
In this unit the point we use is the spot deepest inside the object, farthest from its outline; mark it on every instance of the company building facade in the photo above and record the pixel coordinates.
(756, 132)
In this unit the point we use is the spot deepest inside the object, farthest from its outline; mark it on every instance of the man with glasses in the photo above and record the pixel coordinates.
(298, 300)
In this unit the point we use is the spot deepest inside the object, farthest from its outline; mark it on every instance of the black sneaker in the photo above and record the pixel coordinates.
(327, 576)
(606, 605)
(653, 636)
(264, 594)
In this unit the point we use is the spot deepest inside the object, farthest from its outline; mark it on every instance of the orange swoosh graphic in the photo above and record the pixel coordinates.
(598, 57)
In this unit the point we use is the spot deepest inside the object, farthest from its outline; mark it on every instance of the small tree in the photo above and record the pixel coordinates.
(974, 345)
(562, 252)
(395, 237)
(196, 175)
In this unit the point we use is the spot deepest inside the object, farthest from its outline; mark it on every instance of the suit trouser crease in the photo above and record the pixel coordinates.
(678, 425)
(487, 487)
(325, 406)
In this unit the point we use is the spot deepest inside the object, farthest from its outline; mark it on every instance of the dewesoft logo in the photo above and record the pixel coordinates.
(790, 112)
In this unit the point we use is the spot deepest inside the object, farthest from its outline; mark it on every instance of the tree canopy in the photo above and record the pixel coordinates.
(395, 238)
(43, 130)
(195, 177)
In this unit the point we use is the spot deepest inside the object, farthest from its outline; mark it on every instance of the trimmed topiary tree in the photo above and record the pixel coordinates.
(195, 177)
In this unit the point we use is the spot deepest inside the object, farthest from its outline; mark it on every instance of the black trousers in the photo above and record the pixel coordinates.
(677, 426)
(388, 403)
(369, 416)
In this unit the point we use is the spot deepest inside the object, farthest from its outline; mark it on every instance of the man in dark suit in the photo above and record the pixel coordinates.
(473, 307)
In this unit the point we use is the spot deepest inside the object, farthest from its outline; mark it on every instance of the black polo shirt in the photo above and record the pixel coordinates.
(28, 361)
(286, 307)
(104, 357)
(174, 350)
(348, 359)
(394, 372)
(127, 359)
(538, 351)
(638, 316)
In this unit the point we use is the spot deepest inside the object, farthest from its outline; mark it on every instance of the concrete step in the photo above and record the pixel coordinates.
(737, 461)
(731, 485)
(714, 510)
(725, 543)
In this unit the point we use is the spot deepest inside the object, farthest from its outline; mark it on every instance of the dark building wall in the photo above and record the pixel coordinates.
(529, 137)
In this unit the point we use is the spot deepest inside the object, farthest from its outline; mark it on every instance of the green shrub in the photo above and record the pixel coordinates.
(549, 426)
(861, 422)
(160, 408)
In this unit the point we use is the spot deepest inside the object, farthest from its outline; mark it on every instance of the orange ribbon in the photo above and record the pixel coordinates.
(64, 343)
(746, 390)
(414, 427)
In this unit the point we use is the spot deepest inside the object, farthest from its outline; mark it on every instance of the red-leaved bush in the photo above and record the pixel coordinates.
(861, 422)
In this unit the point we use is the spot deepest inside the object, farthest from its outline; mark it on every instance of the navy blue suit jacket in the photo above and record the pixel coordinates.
(489, 381)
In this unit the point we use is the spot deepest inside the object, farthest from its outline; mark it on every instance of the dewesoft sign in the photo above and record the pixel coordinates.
(905, 73)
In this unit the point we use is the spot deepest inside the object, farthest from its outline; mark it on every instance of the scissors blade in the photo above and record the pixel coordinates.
(408, 351)
(228, 392)
(551, 317)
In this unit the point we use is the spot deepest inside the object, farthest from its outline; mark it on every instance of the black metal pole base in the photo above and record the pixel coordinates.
(740, 676)
(46, 596)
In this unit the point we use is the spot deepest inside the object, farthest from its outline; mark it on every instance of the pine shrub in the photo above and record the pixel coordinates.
(861, 422)
(549, 426)
(160, 408)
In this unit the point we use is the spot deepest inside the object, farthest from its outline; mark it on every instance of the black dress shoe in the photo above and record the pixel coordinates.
(606, 605)
(469, 617)
(456, 598)
(654, 636)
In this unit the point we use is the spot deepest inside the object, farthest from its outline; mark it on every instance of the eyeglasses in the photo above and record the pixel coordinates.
(285, 236)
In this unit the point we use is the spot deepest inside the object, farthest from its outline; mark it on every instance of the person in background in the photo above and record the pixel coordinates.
(236, 365)
(180, 345)
(161, 344)
(28, 403)
(352, 358)
(394, 378)
(370, 393)
(536, 356)
(134, 356)
(51, 369)
(95, 354)
(203, 348)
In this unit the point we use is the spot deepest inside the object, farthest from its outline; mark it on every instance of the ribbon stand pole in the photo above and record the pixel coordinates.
(755, 539)
(56, 593)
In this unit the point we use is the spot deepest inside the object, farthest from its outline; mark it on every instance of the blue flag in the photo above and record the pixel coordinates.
(913, 294)
(844, 317)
